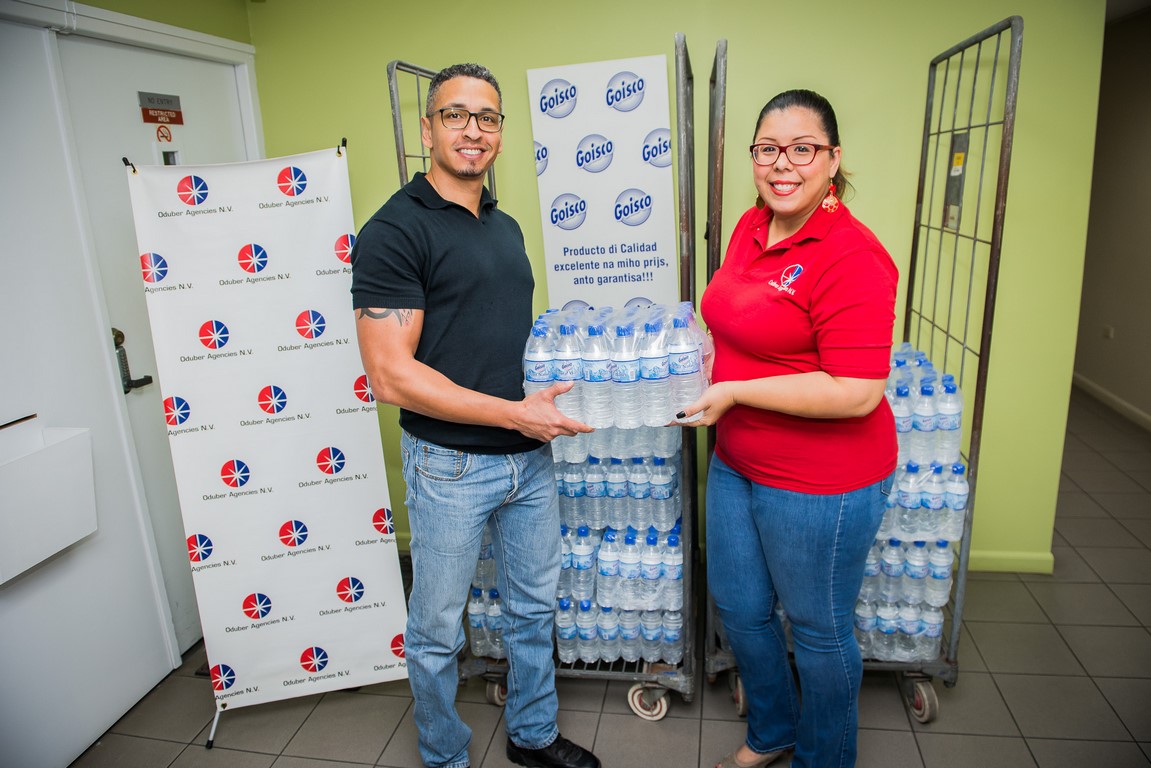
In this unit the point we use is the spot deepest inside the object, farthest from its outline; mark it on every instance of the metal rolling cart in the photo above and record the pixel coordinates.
(651, 682)
(960, 209)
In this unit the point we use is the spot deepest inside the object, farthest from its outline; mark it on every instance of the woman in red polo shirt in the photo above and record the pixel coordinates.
(801, 312)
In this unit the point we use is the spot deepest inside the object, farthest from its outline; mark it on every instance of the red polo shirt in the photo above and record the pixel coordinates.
(820, 300)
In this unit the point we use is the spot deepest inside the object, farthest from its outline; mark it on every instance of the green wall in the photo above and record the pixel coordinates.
(321, 72)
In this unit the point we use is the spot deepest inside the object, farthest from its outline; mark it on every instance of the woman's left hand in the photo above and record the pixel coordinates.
(713, 403)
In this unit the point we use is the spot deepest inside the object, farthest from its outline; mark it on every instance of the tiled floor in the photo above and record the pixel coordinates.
(1055, 671)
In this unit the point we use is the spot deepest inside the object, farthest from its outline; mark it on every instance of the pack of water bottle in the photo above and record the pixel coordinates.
(632, 368)
(592, 633)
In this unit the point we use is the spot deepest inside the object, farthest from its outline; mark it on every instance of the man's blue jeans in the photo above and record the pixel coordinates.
(766, 545)
(450, 497)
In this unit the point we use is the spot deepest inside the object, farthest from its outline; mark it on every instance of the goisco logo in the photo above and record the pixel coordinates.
(257, 606)
(292, 181)
(253, 258)
(192, 190)
(293, 533)
(176, 411)
(314, 659)
(310, 324)
(632, 207)
(350, 589)
(594, 153)
(657, 148)
(214, 334)
(272, 399)
(223, 677)
(199, 547)
(344, 245)
(235, 473)
(330, 460)
(790, 274)
(541, 158)
(558, 98)
(154, 267)
(363, 389)
(624, 91)
(382, 521)
(568, 211)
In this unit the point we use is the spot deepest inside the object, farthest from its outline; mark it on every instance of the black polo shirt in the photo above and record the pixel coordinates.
(472, 278)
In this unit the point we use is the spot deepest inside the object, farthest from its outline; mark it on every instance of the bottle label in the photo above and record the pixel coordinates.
(866, 623)
(566, 632)
(932, 500)
(949, 421)
(919, 422)
(640, 490)
(568, 369)
(660, 491)
(581, 561)
(475, 620)
(909, 499)
(903, 423)
(654, 368)
(932, 630)
(887, 626)
(652, 632)
(892, 569)
(587, 633)
(957, 501)
(629, 632)
(910, 626)
(596, 370)
(673, 571)
(871, 568)
(616, 490)
(629, 569)
(684, 363)
(574, 489)
(609, 633)
(940, 570)
(608, 567)
(651, 571)
(539, 371)
(672, 634)
(595, 490)
(625, 371)
(916, 571)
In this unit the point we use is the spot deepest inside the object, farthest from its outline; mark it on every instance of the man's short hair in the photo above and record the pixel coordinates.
(479, 72)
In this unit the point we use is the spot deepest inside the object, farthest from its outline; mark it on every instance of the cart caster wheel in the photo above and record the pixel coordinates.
(924, 702)
(738, 694)
(497, 693)
(638, 699)
(711, 679)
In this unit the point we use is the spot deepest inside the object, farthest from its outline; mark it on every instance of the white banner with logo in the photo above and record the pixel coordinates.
(603, 165)
(272, 424)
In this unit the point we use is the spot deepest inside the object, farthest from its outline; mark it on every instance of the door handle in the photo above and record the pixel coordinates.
(122, 359)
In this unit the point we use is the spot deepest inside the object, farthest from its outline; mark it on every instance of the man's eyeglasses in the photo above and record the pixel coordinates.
(798, 154)
(454, 119)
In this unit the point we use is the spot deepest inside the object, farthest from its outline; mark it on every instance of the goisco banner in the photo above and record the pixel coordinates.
(272, 424)
(603, 165)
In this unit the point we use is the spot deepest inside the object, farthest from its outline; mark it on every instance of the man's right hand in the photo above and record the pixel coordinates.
(537, 417)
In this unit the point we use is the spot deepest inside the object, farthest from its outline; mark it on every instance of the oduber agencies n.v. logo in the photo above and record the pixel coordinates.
(343, 247)
(153, 267)
(214, 334)
(310, 324)
(786, 278)
(350, 589)
(192, 190)
(382, 521)
(176, 411)
(330, 460)
(235, 473)
(252, 258)
(223, 677)
(257, 605)
(292, 181)
(558, 98)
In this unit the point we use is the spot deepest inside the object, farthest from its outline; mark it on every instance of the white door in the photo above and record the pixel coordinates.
(102, 84)
(86, 633)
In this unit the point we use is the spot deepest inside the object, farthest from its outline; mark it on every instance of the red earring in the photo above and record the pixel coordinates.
(831, 202)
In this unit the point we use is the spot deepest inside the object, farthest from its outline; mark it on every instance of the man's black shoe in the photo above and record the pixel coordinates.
(561, 753)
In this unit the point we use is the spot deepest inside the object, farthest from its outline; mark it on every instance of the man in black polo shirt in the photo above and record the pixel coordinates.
(442, 288)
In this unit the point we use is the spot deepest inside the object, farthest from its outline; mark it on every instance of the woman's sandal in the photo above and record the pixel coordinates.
(765, 759)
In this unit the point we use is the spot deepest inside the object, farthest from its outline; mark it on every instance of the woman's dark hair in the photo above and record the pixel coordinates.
(822, 108)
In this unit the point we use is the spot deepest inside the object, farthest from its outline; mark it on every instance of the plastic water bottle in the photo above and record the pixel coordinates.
(575, 492)
(597, 384)
(955, 494)
(477, 624)
(869, 592)
(671, 597)
(608, 630)
(886, 629)
(910, 631)
(665, 441)
(931, 496)
(909, 502)
(495, 626)
(948, 422)
(607, 570)
(568, 366)
(672, 636)
(901, 408)
(539, 359)
(639, 495)
(915, 572)
(923, 425)
(583, 572)
(655, 376)
(627, 398)
(564, 586)
(889, 526)
(651, 635)
(628, 587)
(566, 631)
(587, 632)
(866, 620)
(663, 512)
(684, 366)
(931, 640)
(629, 640)
(485, 577)
(595, 494)
(938, 588)
(651, 572)
(616, 492)
(891, 571)
(898, 373)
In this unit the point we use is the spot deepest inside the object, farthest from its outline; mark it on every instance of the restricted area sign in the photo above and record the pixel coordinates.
(160, 108)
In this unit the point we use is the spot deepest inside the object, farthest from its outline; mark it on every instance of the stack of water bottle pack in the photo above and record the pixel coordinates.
(908, 574)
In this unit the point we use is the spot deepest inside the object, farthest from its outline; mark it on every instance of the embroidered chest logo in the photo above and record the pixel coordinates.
(786, 278)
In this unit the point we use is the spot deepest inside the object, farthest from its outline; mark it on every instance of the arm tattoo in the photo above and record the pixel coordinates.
(403, 316)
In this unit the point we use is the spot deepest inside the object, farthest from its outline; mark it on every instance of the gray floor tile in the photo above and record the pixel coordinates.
(992, 576)
(581, 695)
(1143, 478)
(624, 740)
(1052, 707)
(881, 703)
(263, 727)
(1146, 749)
(1137, 598)
(399, 688)
(1082, 604)
(1111, 651)
(887, 749)
(1086, 461)
(1000, 601)
(1030, 649)
(177, 709)
(954, 751)
(1119, 565)
(579, 727)
(1057, 539)
(348, 726)
(969, 657)
(1116, 440)
(1130, 461)
(1061, 753)
(1096, 532)
(1077, 504)
(716, 701)
(974, 707)
(1073, 443)
(1132, 700)
(1125, 505)
(1140, 528)
(718, 738)
(1067, 485)
(403, 746)
(288, 761)
(1069, 567)
(116, 751)
(1105, 481)
(200, 757)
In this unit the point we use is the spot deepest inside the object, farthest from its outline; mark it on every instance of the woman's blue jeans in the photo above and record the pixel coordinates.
(807, 551)
(450, 497)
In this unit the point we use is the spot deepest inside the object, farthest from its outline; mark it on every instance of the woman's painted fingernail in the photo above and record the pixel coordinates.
(681, 414)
